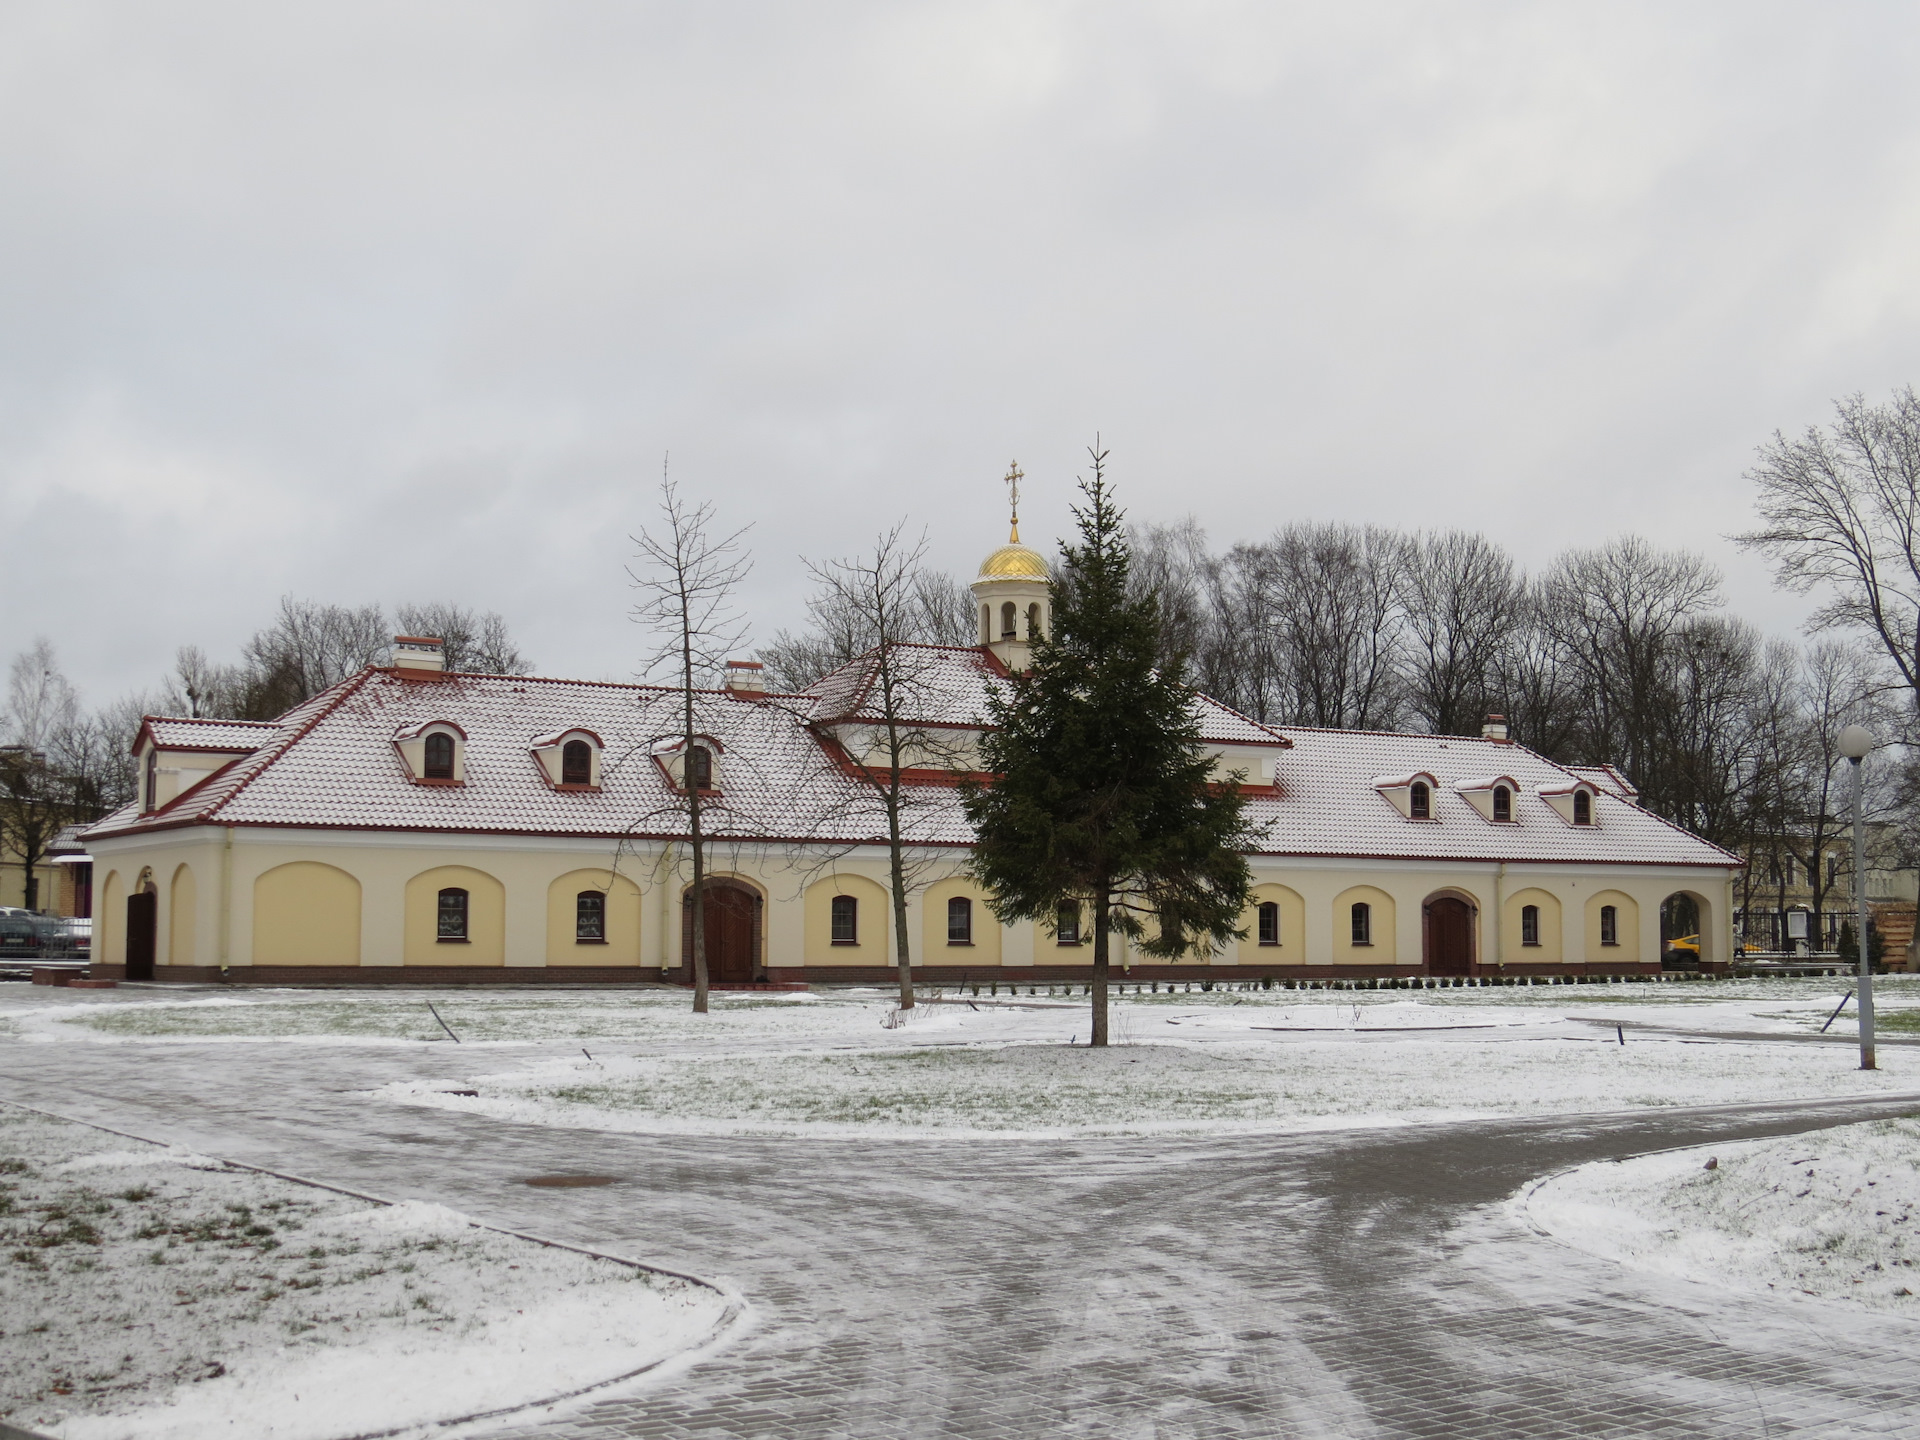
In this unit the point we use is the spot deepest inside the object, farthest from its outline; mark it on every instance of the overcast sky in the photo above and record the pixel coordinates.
(404, 301)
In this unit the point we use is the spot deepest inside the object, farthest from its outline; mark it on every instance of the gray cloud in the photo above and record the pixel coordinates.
(396, 301)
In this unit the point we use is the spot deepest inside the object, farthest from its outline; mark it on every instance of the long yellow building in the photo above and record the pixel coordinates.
(414, 825)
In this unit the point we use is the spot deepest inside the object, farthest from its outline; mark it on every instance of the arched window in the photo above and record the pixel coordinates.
(700, 767)
(986, 624)
(1582, 808)
(439, 756)
(959, 921)
(576, 763)
(1066, 925)
(1269, 923)
(1529, 924)
(1033, 621)
(1502, 803)
(846, 920)
(1009, 618)
(452, 919)
(590, 916)
(1363, 924)
(1609, 925)
(1420, 801)
(153, 779)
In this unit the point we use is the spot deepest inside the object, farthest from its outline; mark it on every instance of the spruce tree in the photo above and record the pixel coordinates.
(1103, 797)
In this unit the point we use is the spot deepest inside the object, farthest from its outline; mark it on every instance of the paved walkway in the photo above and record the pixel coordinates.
(1348, 1284)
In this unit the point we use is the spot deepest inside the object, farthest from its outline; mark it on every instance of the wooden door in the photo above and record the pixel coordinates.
(142, 912)
(1449, 936)
(732, 917)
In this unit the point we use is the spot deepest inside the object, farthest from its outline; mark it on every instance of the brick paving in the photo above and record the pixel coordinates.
(1352, 1283)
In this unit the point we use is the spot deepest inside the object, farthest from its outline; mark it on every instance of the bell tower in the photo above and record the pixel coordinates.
(1011, 597)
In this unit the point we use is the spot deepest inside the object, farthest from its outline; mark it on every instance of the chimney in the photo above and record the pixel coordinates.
(745, 680)
(417, 657)
(1495, 730)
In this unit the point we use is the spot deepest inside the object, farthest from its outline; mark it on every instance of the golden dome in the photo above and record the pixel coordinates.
(1013, 562)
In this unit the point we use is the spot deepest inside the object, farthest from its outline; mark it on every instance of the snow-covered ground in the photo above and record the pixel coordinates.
(847, 1061)
(149, 1292)
(1834, 1213)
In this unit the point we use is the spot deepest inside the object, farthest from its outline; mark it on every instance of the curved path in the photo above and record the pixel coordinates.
(1353, 1283)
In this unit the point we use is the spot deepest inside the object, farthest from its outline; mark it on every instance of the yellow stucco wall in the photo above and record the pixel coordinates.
(623, 919)
(486, 942)
(934, 949)
(110, 920)
(182, 911)
(1292, 949)
(306, 913)
(1627, 952)
(1383, 950)
(1547, 952)
(874, 923)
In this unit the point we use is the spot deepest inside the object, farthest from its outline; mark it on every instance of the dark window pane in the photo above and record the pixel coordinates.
(453, 915)
(1609, 925)
(1066, 927)
(1502, 803)
(846, 920)
(439, 756)
(1269, 923)
(590, 916)
(1363, 924)
(1582, 808)
(1529, 924)
(959, 921)
(700, 766)
(576, 763)
(1421, 802)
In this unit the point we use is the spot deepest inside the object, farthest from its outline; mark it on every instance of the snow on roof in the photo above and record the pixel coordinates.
(1484, 782)
(1326, 806)
(1399, 782)
(226, 736)
(331, 763)
(947, 685)
(1606, 778)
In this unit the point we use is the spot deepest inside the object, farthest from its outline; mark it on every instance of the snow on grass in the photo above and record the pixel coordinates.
(1224, 1084)
(1834, 1213)
(149, 1292)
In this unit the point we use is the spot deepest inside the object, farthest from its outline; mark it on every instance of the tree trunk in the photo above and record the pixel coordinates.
(1101, 939)
(899, 879)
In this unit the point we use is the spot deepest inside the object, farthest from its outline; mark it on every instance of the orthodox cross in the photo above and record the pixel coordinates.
(1013, 478)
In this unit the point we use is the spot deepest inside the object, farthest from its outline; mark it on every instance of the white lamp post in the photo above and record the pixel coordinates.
(1855, 742)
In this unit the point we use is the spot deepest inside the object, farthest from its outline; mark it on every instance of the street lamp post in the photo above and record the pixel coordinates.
(1855, 743)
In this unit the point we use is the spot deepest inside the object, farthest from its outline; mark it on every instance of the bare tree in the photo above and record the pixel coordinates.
(1335, 594)
(880, 602)
(1462, 600)
(1841, 512)
(470, 642)
(35, 801)
(934, 609)
(687, 588)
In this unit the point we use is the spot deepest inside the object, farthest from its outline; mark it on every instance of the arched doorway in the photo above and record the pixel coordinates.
(143, 916)
(1686, 932)
(1447, 923)
(732, 914)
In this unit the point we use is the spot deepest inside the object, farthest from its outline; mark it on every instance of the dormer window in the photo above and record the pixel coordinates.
(695, 765)
(152, 780)
(433, 752)
(1572, 802)
(1411, 795)
(569, 759)
(1502, 803)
